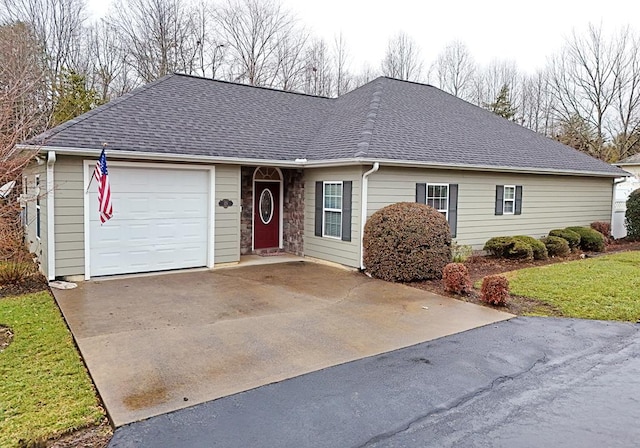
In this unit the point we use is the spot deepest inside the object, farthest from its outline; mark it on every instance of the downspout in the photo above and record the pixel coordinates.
(51, 229)
(363, 215)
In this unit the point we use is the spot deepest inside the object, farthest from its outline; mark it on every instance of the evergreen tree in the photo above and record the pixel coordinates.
(73, 97)
(502, 105)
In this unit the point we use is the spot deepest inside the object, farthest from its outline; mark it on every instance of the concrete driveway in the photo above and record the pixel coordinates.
(159, 343)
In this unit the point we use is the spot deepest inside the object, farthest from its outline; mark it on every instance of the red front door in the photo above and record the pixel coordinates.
(266, 215)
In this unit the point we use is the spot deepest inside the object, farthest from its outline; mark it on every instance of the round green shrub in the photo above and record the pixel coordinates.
(517, 247)
(632, 215)
(556, 246)
(406, 242)
(499, 246)
(570, 236)
(537, 246)
(590, 240)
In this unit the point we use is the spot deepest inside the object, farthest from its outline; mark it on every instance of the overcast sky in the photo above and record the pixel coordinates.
(525, 32)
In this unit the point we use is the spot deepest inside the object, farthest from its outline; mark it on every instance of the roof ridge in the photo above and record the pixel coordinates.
(370, 123)
(42, 137)
(241, 84)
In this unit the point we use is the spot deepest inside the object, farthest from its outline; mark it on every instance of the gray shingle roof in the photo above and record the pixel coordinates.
(386, 119)
(631, 160)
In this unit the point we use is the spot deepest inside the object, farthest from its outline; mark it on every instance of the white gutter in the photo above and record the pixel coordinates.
(304, 163)
(51, 228)
(365, 204)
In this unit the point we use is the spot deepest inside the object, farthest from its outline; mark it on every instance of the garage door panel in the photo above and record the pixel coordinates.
(160, 221)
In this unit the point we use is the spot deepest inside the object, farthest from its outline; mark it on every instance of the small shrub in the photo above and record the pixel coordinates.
(13, 272)
(537, 246)
(520, 250)
(603, 227)
(495, 290)
(405, 242)
(632, 215)
(456, 278)
(571, 237)
(460, 252)
(498, 246)
(556, 246)
(590, 240)
(516, 247)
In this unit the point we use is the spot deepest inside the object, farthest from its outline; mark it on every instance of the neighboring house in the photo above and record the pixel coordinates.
(204, 171)
(622, 192)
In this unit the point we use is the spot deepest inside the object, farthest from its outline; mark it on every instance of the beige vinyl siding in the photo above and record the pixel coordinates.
(69, 216)
(548, 201)
(37, 246)
(227, 221)
(633, 169)
(331, 249)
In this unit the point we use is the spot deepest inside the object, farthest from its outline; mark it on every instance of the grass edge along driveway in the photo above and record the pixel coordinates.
(45, 389)
(603, 288)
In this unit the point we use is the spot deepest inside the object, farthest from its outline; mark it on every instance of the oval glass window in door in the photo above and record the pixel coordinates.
(266, 206)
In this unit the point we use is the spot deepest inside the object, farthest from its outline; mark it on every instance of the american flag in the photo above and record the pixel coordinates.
(104, 189)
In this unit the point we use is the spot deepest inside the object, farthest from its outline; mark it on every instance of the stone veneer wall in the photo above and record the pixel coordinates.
(246, 193)
(293, 208)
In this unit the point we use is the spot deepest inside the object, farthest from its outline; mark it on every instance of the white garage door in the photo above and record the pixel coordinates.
(160, 221)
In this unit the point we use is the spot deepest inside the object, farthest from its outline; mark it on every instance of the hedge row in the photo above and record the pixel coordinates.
(559, 243)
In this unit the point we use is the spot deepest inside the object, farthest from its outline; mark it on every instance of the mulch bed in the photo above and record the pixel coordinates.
(32, 284)
(92, 437)
(480, 266)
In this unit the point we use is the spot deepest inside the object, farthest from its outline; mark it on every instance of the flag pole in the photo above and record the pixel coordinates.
(104, 146)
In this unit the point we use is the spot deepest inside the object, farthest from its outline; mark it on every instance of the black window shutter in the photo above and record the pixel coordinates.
(346, 210)
(499, 199)
(421, 193)
(518, 206)
(453, 209)
(319, 204)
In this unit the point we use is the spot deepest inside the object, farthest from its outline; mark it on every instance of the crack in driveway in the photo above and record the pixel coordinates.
(455, 404)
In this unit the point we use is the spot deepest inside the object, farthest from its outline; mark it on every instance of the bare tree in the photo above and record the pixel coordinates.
(22, 89)
(58, 27)
(402, 59)
(210, 44)
(319, 76)
(160, 36)
(626, 133)
(341, 61)
(490, 80)
(367, 73)
(536, 104)
(454, 70)
(58, 24)
(254, 31)
(583, 82)
(291, 65)
(110, 71)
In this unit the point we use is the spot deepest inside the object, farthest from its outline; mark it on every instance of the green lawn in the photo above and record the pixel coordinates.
(606, 287)
(45, 390)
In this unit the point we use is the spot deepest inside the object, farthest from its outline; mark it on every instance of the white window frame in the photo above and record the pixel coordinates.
(325, 209)
(38, 209)
(505, 200)
(444, 211)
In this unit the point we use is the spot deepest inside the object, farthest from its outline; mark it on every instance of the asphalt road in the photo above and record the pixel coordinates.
(527, 382)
